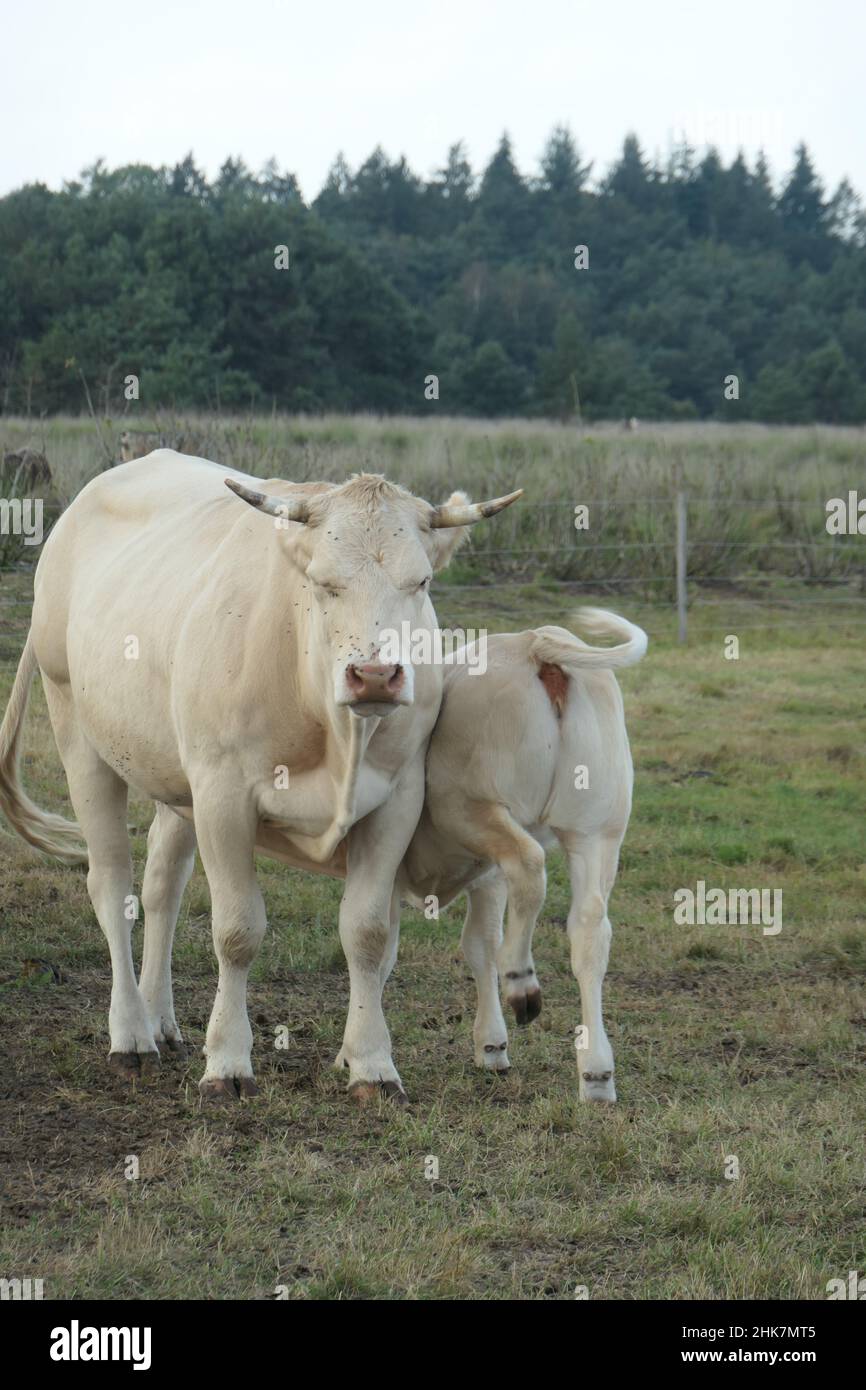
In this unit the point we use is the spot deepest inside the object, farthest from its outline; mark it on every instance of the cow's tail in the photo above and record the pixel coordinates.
(552, 646)
(52, 834)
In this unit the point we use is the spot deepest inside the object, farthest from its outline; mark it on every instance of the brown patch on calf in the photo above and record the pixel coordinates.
(555, 682)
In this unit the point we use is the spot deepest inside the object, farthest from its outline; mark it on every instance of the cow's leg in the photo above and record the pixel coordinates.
(170, 858)
(481, 939)
(393, 946)
(376, 846)
(225, 831)
(99, 798)
(592, 866)
(389, 960)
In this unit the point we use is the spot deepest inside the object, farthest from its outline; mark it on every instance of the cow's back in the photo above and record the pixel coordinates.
(152, 596)
(135, 542)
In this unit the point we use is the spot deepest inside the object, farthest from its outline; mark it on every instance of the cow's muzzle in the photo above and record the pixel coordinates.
(375, 685)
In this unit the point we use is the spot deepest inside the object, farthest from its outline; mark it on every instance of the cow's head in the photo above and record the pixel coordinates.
(367, 550)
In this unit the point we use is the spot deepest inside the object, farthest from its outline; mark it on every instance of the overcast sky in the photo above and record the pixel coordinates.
(149, 81)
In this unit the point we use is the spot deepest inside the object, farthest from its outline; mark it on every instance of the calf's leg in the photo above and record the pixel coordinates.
(592, 866)
(481, 940)
(490, 832)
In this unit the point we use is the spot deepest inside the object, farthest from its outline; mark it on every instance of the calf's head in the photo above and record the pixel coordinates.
(367, 550)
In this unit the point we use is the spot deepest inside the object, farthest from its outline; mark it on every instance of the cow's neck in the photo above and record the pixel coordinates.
(354, 740)
(347, 739)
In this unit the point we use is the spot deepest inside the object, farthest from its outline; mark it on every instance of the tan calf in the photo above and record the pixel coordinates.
(529, 754)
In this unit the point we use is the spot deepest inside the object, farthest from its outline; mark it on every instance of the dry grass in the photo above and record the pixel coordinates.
(758, 493)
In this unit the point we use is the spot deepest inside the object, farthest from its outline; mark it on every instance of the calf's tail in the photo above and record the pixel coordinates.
(554, 647)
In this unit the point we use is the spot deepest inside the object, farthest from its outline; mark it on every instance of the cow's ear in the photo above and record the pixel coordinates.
(448, 541)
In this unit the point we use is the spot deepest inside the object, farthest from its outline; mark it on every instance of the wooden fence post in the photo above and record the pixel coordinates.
(682, 543)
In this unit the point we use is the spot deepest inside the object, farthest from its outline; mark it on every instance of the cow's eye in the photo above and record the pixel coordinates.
(425, 584)
(325, 589)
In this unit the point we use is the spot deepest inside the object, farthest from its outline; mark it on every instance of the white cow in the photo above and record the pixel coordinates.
(531, 752)
(222, 658)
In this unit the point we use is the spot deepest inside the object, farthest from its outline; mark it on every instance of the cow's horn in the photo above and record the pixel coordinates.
(289, 508)
(467, 513)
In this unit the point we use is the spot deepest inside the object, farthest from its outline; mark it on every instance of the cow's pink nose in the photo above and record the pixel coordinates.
(374, 681)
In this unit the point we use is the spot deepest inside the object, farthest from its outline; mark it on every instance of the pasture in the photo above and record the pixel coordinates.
(729, 1043)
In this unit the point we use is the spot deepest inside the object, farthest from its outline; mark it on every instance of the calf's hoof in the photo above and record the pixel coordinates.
(597, 1086)
(134, 1066)
(526, 1006)
(227, 1088)
(364, 1093)
(174, 1048)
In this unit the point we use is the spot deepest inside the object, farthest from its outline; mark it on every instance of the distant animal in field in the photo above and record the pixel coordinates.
(26, 467)
(529, 753)
(630, 424)
(134, 444)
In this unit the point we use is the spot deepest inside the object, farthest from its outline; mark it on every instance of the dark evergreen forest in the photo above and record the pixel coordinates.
(694, 272)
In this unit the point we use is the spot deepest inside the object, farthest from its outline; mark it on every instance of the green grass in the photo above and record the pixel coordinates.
(749, 773)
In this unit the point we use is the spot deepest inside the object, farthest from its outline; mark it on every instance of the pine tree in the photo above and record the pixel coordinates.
(332, 202)
(504, 205)
(449, 193)
(805, 214)
(630, 176)
(562, 174)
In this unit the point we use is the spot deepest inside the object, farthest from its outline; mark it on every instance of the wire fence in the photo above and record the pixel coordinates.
(674, 570)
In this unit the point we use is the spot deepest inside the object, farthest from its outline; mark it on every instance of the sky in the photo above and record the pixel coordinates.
(149, 82)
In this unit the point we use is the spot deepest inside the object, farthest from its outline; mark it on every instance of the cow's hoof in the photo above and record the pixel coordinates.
(134, 1066)
(364, 1093)
(526, 1006)
(175, 1048)
(494, 1057)
(221, 1088)
(597, 1086)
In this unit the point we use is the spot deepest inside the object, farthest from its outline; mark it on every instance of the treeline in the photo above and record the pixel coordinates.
(692, 274)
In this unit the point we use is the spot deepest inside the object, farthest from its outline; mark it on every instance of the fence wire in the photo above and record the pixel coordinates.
(800, 591)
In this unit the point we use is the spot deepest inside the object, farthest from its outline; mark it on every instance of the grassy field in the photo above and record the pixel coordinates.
(750, 773)
(757, 494)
